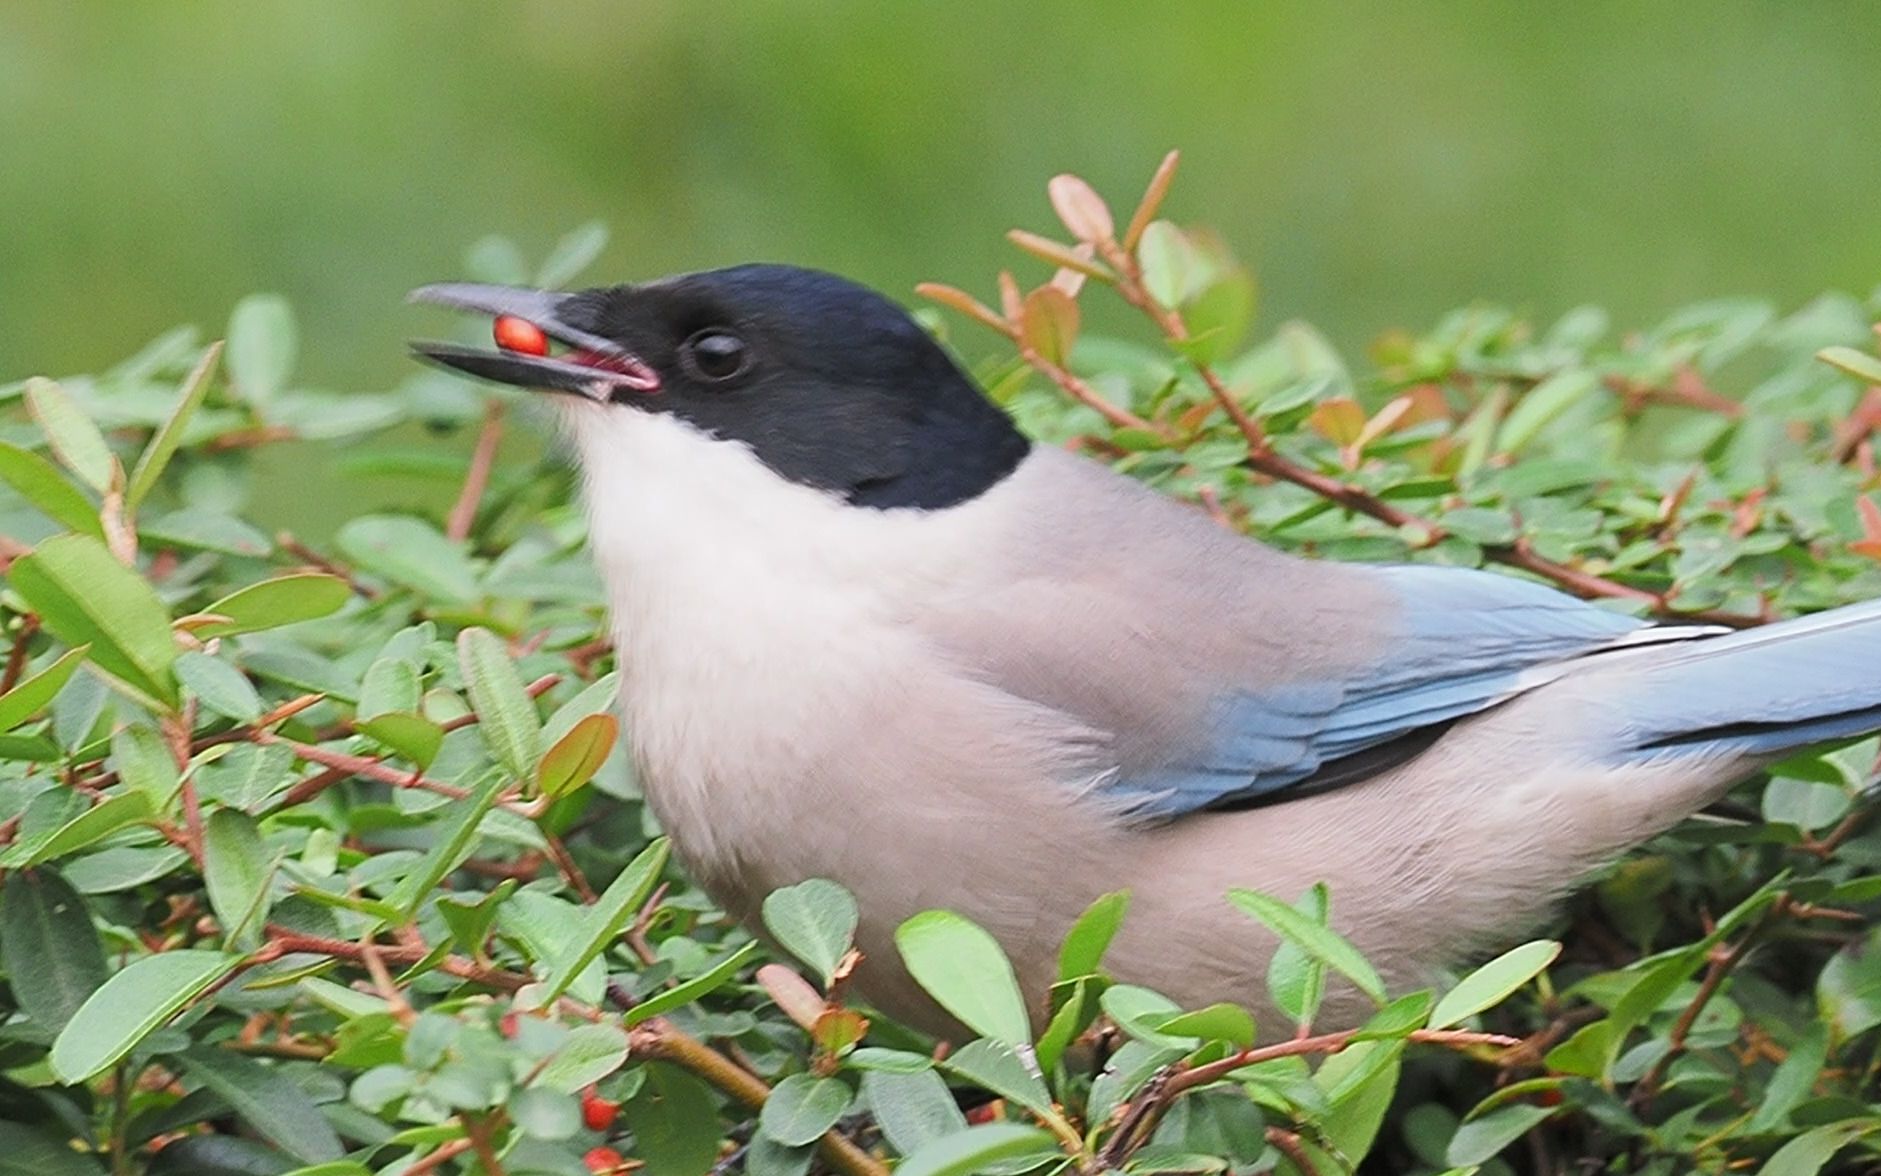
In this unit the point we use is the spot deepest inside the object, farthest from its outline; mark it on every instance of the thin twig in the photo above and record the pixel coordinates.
(1288, 1144)
(16, 657)
(1722, 962)
(444, 1154)
(477, 475)
(1145, 1110)
(480, 1128)
(284, 940)
(659, 1038)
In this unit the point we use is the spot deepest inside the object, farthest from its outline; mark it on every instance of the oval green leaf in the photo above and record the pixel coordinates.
(1488, 985)
(506, 715)
(219, 686)
(815, 920)
(1315, 939)
(69, 430)
(962, 967)
(270, 604)
(237, 871)
(53, 957)
(261, 347)
(85, 597)
(802, 1107)
(131, 1005)
(26, 699)
(965, 1153)
(39, 482)
(608, 917)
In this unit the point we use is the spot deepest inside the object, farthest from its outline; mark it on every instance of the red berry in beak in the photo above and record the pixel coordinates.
(519, 334)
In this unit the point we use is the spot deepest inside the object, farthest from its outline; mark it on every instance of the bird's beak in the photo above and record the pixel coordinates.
(594, 367)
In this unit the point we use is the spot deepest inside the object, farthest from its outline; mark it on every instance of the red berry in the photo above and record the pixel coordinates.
(597, 1112)
(509, 1024)
(602, 1159)
(519, 334)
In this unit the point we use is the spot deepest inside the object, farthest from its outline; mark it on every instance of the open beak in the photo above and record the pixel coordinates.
(593, 367)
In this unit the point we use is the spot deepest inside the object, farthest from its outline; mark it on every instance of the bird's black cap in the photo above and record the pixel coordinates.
(830, 384)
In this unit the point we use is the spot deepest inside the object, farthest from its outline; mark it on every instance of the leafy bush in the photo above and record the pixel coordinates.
(328, 859)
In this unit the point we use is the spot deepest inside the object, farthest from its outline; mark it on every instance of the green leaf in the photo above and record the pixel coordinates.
(995, 1066)
(962, 967)
(1848, 991)
(120, 868)
(457, 837)
(815, 920)
(470, 916)
(32, 695)
(802, 1107)
(611, 914)
(74, 439)
(84, 597)
(390, 684)
(144, 762)
(1172, 267)
(912, 1109)
(1082, 952)
(417, 739)
(541, 1113)
(684, 994)
(219, 686)
(1793, 1081)
(574, 758)
(284, 600)
(163, 444)
(237, 871)
(1077, 1004)
(1481, 1139)
(1540, 405)
(411, 553)
(1811, 1151)
(505, 712)
(26, 1152)
(892, 1061)
(261, 347)
(674, 1118)
(51, 951)
(1400, 1018)
(39, 482)
(573, 253)
(1295, 980)
(1860, 364)
(1490, 984)
(967, 1152)
(131, 1005)
(1316, 940)
(590, 1053)
(94, 824)
(1217, 1022)
(274, 1107)
(1140, 1012)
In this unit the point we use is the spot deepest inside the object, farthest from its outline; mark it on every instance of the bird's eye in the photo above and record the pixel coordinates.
(716, 354)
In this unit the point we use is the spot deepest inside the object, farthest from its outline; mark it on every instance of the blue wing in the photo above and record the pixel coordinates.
(1462, 641)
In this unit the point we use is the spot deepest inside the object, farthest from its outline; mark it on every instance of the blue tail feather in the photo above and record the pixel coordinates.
(1763, 692)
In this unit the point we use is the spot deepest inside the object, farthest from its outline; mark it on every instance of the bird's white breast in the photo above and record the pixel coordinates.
(757, 622)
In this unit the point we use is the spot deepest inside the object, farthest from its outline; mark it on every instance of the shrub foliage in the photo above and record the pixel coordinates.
(328, 858)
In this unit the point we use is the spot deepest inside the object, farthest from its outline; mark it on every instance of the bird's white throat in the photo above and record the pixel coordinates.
(748, 612)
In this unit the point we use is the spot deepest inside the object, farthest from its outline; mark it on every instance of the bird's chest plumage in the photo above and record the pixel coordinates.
(757, 627)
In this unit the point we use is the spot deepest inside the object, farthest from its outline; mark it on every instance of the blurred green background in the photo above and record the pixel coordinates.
(1376, 163)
